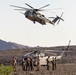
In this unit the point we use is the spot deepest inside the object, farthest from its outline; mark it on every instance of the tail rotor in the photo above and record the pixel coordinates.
(60, 18)
(57, 19)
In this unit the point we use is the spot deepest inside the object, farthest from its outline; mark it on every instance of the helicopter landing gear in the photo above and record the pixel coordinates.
(34, 22)
(43, 23)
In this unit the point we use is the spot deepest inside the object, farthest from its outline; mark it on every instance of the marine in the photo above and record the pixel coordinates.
(31, 64)
(28, 64)
(38, 64)
(14, 63)
(23, 63)
(55, 63)
(52, 63)
(48, 63)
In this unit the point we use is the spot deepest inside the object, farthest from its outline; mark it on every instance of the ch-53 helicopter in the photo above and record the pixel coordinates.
(43, 56)
(35, 16)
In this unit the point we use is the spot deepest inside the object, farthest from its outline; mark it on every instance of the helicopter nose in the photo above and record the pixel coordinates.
(26, 14)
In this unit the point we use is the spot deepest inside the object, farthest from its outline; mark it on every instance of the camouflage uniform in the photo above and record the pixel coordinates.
(48, 63)
(52, 64)
(38, 63)
(31, 64)
(55, 63)
(23, 63)
(14, 63)
(28, 64)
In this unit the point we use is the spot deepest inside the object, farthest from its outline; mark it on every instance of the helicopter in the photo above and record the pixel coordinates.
(43, 56)
(35, 16)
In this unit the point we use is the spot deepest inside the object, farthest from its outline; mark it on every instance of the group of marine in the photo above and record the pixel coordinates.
(28, 65)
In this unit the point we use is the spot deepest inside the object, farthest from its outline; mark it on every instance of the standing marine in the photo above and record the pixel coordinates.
(23, 63)
(38, 63)
(14, 62)
(48, 63)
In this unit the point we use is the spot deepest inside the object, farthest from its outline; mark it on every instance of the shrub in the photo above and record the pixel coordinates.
(6, 70)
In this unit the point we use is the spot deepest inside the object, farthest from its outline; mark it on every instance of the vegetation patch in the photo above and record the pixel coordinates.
(6, 70)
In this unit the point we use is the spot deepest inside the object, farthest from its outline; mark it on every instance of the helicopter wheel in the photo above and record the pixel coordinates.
(34, 22)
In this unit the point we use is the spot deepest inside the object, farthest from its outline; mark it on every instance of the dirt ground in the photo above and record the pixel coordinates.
(62, 69)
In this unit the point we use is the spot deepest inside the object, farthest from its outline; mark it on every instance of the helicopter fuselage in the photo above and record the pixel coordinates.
(35, 17)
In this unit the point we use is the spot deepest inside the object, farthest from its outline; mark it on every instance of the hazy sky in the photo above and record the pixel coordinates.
(15, 27)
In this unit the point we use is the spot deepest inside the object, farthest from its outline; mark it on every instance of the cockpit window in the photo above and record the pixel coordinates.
(43, 15)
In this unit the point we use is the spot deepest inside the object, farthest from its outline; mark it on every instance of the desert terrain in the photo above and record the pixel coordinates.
(65, 66)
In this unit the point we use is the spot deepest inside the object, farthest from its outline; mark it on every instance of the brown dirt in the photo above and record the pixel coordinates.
(62, 69)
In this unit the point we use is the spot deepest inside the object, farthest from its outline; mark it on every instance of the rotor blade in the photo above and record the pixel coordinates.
(22, 9)
(49, 9)
(51, 17)
(55, 51)
(68, 44)
(61, 14)
(21, 12)
(38, 10)
(19, 7)
(54, 9)
(61, 19)
(44, 6)
(29, 5)
(58, 21)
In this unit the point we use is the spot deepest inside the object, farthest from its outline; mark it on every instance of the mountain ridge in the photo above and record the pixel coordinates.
(10, 45)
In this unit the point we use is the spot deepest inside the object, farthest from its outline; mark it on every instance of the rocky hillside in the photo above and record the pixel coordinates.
(10, 45)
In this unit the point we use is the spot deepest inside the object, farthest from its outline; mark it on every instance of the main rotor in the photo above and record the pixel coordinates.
(31, 8)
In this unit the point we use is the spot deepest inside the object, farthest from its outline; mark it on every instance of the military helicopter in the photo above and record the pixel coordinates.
(34, 15)
(43, 56)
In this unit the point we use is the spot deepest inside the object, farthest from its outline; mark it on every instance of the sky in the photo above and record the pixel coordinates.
(14, 27)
